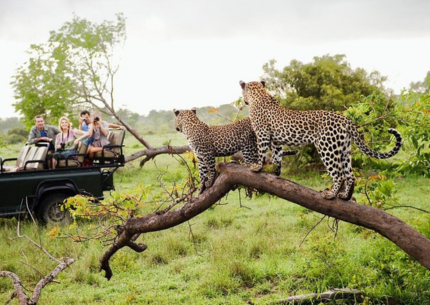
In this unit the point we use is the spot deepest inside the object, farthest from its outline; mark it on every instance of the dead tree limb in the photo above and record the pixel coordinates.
(150, 153)
(19, 293)
(23, 299)
(412, 242)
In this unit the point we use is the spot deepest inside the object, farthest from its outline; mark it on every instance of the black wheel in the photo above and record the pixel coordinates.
(51, 211)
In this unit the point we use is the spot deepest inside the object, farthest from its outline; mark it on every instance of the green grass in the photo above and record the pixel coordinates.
(239, 250)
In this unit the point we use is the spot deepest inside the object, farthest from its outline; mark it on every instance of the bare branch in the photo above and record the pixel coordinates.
(313, 227)
(152, 152)
(36, 245)
(408, 207)
(18, 286)
(49, 278)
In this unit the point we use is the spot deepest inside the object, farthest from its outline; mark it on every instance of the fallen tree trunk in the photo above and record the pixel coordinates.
(231, 175)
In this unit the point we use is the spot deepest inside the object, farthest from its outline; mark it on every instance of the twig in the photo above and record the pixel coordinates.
(334, 227)
(240, 202)
(406, 206)
(36, 245)
(383, 116)
(191, 236)
(365, 192)
(309, 232)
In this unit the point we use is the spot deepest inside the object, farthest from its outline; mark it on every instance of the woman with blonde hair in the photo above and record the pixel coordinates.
(64, 142)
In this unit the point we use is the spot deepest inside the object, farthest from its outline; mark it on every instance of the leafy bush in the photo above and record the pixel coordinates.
(415, 113)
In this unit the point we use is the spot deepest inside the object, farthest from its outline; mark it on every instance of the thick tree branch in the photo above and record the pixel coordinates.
(231, 175)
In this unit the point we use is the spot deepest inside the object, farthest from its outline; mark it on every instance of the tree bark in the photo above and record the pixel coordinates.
(231, 175)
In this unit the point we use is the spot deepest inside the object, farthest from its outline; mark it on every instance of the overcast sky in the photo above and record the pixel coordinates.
(192, 53)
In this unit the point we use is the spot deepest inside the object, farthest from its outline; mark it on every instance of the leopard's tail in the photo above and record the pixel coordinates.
(371, 152)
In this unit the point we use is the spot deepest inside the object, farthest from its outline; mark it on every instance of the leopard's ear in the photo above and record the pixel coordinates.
(176, 112)
(263, 82)
(242, 84)
(194, 109)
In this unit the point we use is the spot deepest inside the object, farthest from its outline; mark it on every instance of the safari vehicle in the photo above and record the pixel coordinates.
(27, 186)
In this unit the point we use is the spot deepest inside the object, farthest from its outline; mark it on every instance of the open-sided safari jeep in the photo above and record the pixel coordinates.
(28, 186)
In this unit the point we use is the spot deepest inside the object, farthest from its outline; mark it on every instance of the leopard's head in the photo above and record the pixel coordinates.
(252, 90)
(182, 117)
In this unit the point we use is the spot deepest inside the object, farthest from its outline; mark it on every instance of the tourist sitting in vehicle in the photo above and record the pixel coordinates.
(43, 133)
(85, 127)
(66, 142)
(100, 131)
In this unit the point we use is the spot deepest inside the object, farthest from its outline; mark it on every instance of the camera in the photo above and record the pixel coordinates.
(96, 119)
(62, 145)
(84, 119)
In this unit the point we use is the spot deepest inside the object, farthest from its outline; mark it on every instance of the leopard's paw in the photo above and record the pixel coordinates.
(328, 194)
(344, 195)
(255, 167)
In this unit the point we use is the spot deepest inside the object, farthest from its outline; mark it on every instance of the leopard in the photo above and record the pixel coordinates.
(209, 142)
(331, 134)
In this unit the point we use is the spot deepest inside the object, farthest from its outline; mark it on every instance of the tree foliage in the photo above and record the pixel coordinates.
(327, 83)
(421, 86)
(74, 69)
(414, 110)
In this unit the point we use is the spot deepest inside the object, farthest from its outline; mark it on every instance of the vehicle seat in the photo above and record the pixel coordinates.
(19, 162)
(75, 160)
(112, 153)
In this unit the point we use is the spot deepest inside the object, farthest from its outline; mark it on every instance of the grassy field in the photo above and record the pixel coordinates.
(240, 250)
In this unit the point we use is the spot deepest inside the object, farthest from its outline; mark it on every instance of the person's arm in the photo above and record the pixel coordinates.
(58, 142)
(33, 137)
(78, 131)
(113, 125)
(87, 134)
(70, 144)
(104, 128)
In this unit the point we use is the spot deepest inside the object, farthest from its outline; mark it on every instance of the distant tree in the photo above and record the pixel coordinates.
(76, 70)
(328, 82)
(423, 86)
(10, 123)
(129, 116)
(73, 70)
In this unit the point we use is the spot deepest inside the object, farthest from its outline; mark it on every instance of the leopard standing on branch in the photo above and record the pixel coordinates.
(331, 133)
(209, 142)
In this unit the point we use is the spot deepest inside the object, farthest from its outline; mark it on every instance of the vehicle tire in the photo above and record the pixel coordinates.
(51, 212)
